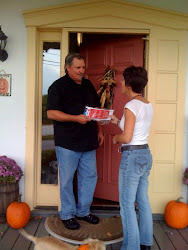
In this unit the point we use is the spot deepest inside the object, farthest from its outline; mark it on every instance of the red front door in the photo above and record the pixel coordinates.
(118, 52)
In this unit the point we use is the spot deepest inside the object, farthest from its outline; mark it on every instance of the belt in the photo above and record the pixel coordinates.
(133, 147)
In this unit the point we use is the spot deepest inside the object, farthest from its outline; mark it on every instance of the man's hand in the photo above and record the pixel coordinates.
(82, 119)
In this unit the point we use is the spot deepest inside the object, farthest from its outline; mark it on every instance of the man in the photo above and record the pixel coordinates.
(76, 139)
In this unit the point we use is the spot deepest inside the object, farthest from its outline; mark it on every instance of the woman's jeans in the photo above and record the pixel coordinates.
(68, 162)
(133, 187)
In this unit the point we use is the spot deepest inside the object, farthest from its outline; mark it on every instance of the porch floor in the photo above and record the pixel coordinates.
(165, 238)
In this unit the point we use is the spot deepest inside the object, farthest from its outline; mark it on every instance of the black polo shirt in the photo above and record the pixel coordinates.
(71, 98)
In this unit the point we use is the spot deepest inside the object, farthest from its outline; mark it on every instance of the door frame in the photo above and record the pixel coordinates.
(34, 133)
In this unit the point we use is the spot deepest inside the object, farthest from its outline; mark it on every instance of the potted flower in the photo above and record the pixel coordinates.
(10, 174)
(185, 177)
(185, 180)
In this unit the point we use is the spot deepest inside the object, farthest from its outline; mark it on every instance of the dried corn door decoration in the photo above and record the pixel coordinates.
(106, 88)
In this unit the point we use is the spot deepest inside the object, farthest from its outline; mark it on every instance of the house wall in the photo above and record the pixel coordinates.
(13, 109)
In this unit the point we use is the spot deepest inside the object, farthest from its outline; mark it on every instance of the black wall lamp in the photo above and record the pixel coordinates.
(3, 41)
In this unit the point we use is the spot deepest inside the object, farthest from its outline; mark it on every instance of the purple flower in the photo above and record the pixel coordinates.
(185, 177)
(10, 172)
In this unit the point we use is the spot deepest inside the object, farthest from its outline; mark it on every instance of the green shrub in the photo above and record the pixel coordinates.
(45, 119)
(48, 156)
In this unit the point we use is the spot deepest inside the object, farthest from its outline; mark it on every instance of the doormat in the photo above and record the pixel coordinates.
(108, 230)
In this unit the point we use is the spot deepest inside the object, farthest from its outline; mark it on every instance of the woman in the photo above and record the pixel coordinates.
(136, 161)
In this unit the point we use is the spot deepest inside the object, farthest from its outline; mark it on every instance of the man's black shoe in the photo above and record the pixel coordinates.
(90, 218)
(143, 247)
(71, 224)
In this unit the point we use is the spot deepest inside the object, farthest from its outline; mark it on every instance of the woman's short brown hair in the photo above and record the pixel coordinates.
(136, 78)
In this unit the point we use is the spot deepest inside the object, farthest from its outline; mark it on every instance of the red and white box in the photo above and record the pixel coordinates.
(97, 114)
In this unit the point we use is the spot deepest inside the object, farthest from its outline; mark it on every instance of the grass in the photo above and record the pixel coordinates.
(47, 137)
(45, 119)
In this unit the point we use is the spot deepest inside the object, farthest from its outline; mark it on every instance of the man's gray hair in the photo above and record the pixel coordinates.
(69, 59)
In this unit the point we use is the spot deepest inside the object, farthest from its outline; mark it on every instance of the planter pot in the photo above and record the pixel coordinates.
(8, 194)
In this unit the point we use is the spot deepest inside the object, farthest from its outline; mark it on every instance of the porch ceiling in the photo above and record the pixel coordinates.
(118, 10)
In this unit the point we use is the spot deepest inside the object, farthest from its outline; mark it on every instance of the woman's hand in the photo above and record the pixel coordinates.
(100, 134)
(115, 139)
(100, 138)
(114, 119)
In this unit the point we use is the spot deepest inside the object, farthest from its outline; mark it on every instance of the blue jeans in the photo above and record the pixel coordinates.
(133, 187)
(68, 162)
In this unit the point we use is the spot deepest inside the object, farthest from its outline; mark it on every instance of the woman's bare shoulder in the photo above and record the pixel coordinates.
(142, 99)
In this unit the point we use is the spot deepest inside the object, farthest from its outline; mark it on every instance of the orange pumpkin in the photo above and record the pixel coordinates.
(176, 214)
(18, 214)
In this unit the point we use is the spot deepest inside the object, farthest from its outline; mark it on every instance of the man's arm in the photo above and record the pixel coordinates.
(63, 117)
